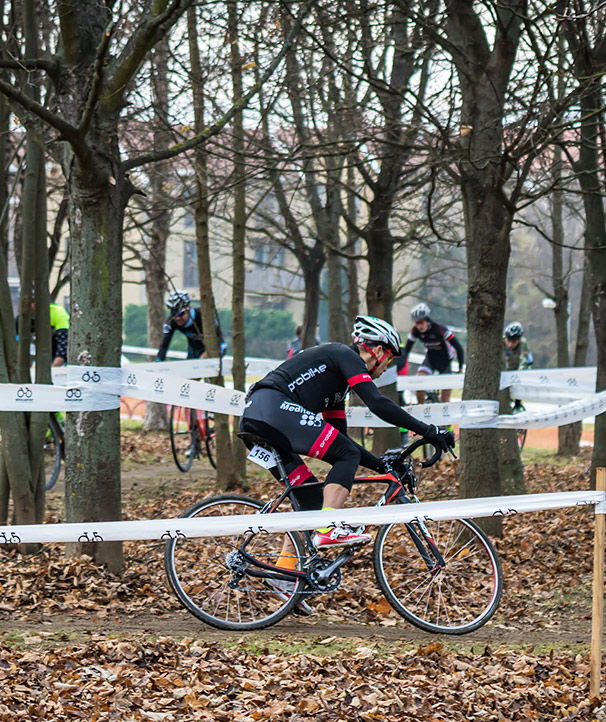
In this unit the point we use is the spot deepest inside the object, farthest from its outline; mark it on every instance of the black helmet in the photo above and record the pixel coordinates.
(177, 302)
(514, 330)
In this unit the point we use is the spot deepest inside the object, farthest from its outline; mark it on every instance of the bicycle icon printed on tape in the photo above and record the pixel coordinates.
(94, 538)
(95, 377)
(23, 392)
(13, 539)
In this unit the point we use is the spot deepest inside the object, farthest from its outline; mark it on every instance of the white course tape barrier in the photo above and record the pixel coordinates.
(99, 388)
(41, 397)
(296, 521)
(454, 412)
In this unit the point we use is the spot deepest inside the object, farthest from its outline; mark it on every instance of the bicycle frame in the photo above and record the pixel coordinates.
(395, 490)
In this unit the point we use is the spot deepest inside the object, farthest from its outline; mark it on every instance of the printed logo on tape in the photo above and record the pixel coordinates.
(184, 391)
(24, 394)
(159, 384)
(95, 537)
(73, 395)
(210, 395)
(13, 539)
(87, 377)
(131, 380)
(235, 400)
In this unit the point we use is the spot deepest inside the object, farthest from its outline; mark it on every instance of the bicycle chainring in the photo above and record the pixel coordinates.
(323, 585)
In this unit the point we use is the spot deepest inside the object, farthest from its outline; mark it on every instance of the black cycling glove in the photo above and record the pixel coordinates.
(442, 438)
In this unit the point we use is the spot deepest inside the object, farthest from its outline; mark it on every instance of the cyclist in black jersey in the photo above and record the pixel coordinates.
(188, 321)
(299, 408)
(440, 347)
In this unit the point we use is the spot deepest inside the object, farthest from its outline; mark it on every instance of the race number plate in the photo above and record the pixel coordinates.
(263, 457)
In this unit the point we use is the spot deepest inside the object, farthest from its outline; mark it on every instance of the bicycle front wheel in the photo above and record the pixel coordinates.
(183, 436)
(52, 453)
(453, 597)
(214, 582)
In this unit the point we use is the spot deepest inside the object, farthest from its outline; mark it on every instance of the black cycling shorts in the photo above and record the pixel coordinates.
(294, 430)
(432, 364)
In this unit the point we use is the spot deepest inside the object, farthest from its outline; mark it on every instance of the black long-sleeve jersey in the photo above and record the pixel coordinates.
(319, 379)
(439, 341)
(192, 330)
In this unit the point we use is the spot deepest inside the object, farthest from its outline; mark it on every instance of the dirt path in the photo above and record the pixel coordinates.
(566, 633)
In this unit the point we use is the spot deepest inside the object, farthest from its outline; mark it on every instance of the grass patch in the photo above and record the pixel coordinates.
(546, 456)
(131, 424)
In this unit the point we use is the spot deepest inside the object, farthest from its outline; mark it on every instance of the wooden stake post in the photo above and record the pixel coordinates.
(597, 612)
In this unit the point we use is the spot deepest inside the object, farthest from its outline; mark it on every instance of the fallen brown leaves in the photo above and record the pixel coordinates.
(547, 562)
(191, 680)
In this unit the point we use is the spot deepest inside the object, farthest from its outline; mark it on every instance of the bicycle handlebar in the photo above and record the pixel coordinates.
(401, 453)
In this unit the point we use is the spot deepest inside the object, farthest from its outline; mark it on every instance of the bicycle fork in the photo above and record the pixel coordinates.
(428, 549)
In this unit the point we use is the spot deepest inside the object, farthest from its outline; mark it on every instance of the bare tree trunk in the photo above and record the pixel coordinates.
(225, 466)
(238, 237)
(353, 295)
(23, 433)
(590, 64)
(92, 475)
(154, 262)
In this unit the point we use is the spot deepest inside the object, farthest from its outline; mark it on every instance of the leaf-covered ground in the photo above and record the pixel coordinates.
(78, 642)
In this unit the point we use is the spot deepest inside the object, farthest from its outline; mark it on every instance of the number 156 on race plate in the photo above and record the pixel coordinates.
(262, 456)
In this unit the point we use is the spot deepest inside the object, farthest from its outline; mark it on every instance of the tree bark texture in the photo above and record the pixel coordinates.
(225, 465)
(92, 478)
(154, 261)
(483, 78)
(238, 237)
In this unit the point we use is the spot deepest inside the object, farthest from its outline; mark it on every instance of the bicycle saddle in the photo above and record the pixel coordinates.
(250, 438)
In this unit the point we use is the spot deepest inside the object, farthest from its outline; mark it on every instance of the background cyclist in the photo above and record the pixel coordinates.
(59, 321)
(440, 347)
(517, 353)
(188, 321)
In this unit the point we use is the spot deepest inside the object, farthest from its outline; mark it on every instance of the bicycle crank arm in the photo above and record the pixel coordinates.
(324, 574)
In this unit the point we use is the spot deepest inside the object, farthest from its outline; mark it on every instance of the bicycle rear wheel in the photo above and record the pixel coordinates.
(210, 437)
(454, 599)
(211, 579)
(183, 436)
(52, 453)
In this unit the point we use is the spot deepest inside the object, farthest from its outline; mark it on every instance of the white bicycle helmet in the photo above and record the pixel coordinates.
(177, 302)
(369, 328)
(514, 330)
(420, 312)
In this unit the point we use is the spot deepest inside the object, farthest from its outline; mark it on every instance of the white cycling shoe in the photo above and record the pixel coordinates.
(340, 536)
(283, 589)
